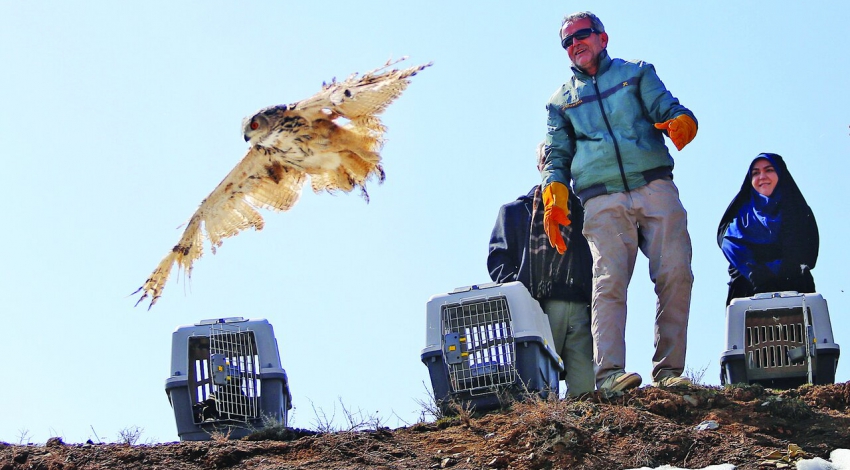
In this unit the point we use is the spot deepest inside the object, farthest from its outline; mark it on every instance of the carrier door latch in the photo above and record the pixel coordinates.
(220, 369)
(453, 348)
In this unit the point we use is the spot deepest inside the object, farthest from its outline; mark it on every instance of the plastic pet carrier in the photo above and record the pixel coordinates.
(779, 340)
(486, 343)
(226, 378)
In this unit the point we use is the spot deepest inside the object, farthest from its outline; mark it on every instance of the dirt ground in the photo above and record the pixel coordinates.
(643, 427)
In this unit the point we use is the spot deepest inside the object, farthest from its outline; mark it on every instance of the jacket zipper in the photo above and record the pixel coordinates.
(613, 137)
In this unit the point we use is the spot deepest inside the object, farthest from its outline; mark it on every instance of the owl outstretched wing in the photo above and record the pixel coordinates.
(258, 181)
(333, 137)
(365, 95)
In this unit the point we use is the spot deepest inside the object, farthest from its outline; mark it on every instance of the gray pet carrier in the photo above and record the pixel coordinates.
(486, 343)
(226, 378)
(780, 340)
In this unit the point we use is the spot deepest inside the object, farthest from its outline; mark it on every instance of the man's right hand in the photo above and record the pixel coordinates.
(681, 130)
(556, 212)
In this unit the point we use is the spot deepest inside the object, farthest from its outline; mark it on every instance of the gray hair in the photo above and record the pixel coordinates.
(595, 22)
(541, 155)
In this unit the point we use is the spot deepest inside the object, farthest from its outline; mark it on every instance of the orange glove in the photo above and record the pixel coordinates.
(555, 213)
(682, 129)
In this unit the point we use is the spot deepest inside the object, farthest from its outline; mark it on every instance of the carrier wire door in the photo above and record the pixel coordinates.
(479, 344)
(225, 374)
(780, 341)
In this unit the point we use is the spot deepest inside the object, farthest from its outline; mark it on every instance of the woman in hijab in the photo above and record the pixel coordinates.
(768, 233)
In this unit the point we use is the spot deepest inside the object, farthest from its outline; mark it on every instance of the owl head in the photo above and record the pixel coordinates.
(258, 126)
(254, 128)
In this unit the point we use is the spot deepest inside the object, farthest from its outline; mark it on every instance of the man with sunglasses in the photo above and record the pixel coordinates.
(605, 138)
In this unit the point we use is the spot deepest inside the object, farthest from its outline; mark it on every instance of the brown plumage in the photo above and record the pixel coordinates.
(334, 137)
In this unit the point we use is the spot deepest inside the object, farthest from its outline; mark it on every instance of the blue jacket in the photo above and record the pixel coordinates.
(601, 133)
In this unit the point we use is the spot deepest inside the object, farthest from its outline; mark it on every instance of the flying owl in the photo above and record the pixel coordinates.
(333, 137)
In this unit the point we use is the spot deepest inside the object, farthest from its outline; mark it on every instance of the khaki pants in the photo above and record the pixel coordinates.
(570, 322)
(652, 219)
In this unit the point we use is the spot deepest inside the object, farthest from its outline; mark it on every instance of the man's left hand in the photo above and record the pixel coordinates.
(681, 129)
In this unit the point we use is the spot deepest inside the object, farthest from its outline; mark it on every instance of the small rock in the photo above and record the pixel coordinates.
(691, 400)
(447, 462)
(489, 435)
(707, 425)
(54, 442)
(498, 462)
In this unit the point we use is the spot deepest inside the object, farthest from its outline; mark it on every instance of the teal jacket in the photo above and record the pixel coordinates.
(600, 129)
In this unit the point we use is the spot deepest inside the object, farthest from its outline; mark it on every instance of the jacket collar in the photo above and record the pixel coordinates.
(528, 197)
(604, 64)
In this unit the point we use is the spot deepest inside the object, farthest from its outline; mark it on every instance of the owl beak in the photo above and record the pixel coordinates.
(246, 137)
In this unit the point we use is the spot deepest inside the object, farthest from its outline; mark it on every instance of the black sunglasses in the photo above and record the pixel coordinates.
(580, 34)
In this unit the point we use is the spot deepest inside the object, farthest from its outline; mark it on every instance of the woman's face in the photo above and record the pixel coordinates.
(763, 177)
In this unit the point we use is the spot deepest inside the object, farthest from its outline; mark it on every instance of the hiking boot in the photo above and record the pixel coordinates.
(619, 381)
(672, 382)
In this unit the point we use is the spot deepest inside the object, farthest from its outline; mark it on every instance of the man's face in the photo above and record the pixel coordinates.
(584, 53)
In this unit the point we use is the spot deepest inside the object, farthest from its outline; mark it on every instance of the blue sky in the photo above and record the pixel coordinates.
(117, 119)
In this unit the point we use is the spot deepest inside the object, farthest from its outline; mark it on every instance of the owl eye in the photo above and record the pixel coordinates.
(254, 125)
